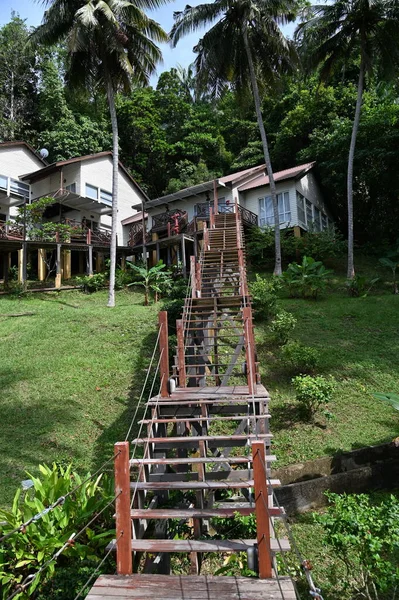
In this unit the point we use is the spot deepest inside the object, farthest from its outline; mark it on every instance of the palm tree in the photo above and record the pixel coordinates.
(111, 45)
(245, 47)
(364, 31)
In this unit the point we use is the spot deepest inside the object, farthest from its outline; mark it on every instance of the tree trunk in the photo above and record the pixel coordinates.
(12, 115)
(255, 90)
(115, 172)
(355, 128)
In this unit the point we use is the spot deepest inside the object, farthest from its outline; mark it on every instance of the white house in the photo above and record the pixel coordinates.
(82, 189)
(175, 220)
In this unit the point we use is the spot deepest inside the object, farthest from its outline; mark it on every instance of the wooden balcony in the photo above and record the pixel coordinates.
(249, 218)
(80, 233)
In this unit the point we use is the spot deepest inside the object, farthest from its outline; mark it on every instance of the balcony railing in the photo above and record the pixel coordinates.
(11, 231)
(176, 219)
(247, 216)
(14, 187)
(78, 233)
(201, 211)
(136, 235)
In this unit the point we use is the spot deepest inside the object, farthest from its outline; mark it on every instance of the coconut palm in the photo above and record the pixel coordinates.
(362, 31)
(111, 45)
(244, 49)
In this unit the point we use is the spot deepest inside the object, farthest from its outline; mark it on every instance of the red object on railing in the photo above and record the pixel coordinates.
(124, 561)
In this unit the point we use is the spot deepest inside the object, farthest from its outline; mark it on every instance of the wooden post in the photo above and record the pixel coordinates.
(198, 276)
(211, 218)
(41, 266)
(261, 510)
(58, 268)
(181, 364)
(183, 256)
(249, 350)
(238, 229)
(164, 349)
(205, 239)
(122, 509)
(123, 263)
(20, 265)
(193, 273)
(215, 197)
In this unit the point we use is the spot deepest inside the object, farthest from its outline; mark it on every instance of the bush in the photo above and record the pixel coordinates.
(363, 533)
(312, 393)
(264, 296)
(306, 280)
(299, 358)
(92, 283)
(360, 286)
(27, 551)
(282, 325)
(122, 279)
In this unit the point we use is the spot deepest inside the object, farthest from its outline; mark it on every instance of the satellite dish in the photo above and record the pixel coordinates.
(43, 152)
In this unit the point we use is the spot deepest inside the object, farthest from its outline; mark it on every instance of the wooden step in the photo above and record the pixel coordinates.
(231, 460)
(252, 418)
(197, 513)
(156, 486)
(194, 441)
(146, 545)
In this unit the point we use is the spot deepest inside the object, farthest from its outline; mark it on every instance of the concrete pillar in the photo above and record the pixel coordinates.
(20, 265)
(297, 231)
(66, 264)
(41, 265)
(90, 261)
(153, 253)
(123, 263)
(58, 268)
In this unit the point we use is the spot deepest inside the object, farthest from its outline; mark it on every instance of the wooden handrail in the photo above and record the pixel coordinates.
(164, 350)
(261, 509)
(124, 564)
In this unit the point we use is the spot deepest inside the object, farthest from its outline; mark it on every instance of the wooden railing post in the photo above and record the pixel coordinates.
(215, 197)
(261, 510)
(164, 350)
(211, 218)
(198, 277)
(122, 509)
(249, 349)
(181, 364)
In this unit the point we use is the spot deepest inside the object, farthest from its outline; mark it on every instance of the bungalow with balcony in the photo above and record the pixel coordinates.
(82, 190)
(175, 221)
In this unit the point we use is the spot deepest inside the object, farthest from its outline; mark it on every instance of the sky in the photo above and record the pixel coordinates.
(32, 11)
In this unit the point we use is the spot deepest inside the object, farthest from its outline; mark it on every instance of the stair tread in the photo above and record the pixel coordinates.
(207, 419)
(146, 545)
(199, 438)
(197, 485)
(196, 513)
(198, 460)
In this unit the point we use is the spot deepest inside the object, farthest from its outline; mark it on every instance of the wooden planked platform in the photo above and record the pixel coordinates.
(179, 587)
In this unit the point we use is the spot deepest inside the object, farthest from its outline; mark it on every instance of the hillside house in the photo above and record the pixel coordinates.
(82, 189)
(175, 221)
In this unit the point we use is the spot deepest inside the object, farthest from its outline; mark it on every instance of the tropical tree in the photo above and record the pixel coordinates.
(152, 280)
(244, 49)
(365, 31)
(110, 45)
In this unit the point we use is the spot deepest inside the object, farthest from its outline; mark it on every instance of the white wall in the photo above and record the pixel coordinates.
(250, 198)
(16, 161)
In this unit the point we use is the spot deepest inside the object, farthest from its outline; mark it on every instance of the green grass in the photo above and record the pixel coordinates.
(70, 376)
(357, 340)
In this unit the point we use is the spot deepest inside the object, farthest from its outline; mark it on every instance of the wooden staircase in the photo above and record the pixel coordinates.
(207, 441)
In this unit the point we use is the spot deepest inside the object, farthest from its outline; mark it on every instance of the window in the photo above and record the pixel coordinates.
(105, 197)
(98, 194)
(324, 222)
(266, 215)
(3, 182)
(309, 213)
(300, 203)
(316, 219)
(91, 191)
(71, 188)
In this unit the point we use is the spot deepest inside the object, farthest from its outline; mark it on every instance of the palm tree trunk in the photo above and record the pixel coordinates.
(255, 90)
(355, 128)
(115, 172)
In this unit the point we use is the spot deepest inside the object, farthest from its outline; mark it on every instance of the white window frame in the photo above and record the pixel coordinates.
(99, 194)
(266, 214)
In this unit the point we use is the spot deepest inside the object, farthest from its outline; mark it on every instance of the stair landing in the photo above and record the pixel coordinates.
(190, 587)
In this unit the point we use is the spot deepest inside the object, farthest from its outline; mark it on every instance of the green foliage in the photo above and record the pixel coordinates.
(313, 393)
(360, 285)
(32, 217)
(364, 535)
(282, 325)
(92, 283)
(392, 399)
(306, 280)
(236, 565)
(27, 551)
(264, 296)
(299, 358)
(153, 280)
(391, 261)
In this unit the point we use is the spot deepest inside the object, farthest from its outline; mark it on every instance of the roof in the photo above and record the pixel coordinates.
(23, 144)
(263, 179)
(56, 166)
(135, 218)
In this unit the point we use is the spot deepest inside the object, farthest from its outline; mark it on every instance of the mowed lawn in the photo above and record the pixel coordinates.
(358, 345)
(70, 376)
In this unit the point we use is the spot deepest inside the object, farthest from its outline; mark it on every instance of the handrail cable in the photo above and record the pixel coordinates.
(145, 383)
(59, 502)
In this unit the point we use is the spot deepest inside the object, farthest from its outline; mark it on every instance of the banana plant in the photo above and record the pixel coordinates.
(391, 261)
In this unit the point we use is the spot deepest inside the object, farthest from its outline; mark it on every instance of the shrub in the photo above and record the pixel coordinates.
(92, 283)
(299, 358)
(307, 279)
(122, 279)
(264, 296)
(282, 325)
(364, 534)
(360, 286)
(313, 392)
(27, 551)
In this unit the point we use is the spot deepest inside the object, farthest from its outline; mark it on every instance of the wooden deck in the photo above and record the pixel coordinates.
(179, 587)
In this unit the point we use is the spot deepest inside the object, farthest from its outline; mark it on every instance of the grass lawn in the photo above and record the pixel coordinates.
(70, 376)
(358, 344)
